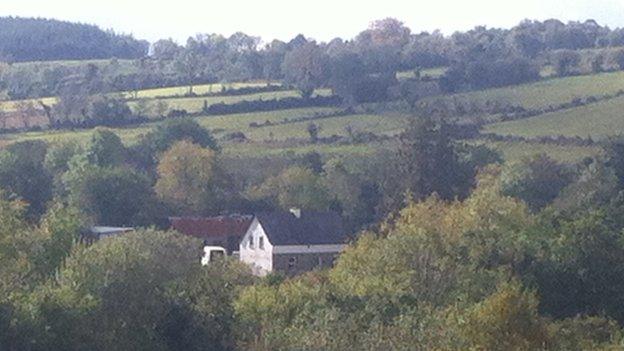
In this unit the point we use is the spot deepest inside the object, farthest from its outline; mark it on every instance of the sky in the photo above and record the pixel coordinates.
(318, 19)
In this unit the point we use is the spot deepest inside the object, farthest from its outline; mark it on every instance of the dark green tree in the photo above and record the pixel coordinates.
(427, 163)
(164, 135)
(105, 149)
(537, 180)
(23, 174)
(580, 274)
(112, 196)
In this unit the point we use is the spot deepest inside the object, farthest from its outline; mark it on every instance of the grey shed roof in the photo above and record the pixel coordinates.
(100, 230)
(311, 228)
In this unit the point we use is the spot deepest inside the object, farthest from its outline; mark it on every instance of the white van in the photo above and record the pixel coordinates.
(211, 254)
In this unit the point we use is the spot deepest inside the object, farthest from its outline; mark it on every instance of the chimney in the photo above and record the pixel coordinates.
(296, 212)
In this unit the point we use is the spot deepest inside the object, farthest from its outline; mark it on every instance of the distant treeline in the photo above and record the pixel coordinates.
(36, 39)
(359, 70)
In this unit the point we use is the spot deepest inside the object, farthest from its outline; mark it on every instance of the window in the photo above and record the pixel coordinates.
(251, 242)
(261, 243)
(292, 262)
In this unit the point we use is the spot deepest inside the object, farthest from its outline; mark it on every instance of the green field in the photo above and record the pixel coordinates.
(191, 104)
(263, 150)
(126, 65)
(12, 105)
(227, 123)
(551, 92)
(241, 123)
(433, 73)
(599, 120)
(195, 104)
(513, 151)
(197, 89)
(330, 126)
(128, 135)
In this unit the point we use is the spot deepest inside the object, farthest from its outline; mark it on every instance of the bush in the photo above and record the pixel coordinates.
(235, 136)
(566, 62)
(177, 113)
(619, 58)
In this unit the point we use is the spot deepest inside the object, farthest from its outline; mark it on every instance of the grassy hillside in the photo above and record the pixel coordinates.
(329, 127)
(125, 65)
(513, 151)
(599, 120)
(191, 104)
(197, 89)
(241, 122)
(552, 92)
(254, 150)
(195, 104)
(222, 125)
(596, 120)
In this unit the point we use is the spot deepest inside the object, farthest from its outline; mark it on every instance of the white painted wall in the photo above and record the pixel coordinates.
(260, 260)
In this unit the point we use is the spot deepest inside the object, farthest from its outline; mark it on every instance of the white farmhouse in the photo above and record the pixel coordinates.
(292, 242)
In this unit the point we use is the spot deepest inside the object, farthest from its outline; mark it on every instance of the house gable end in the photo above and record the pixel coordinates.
(245, 239)
(256, 230)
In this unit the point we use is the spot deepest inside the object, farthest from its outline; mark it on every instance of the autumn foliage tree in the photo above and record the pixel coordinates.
(165, 134)
(189, 178)
(294, 187)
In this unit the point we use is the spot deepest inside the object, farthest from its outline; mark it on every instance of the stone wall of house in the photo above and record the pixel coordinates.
(293, 264)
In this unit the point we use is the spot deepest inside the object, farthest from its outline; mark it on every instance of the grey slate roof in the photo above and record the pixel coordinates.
(312, 228)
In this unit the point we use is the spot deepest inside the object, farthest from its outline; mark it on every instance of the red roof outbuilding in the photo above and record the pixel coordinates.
(210, 228)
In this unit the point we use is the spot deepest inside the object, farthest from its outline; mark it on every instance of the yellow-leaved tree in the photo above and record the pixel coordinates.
(188, 177)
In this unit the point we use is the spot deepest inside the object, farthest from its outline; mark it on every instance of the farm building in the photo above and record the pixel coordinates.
(223, 231)
(292, 242)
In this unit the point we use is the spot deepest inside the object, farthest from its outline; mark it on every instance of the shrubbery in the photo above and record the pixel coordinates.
(270, 105)
(487, 74)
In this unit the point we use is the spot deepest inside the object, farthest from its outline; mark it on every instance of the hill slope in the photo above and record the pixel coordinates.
(551, 92)
(599, 120)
